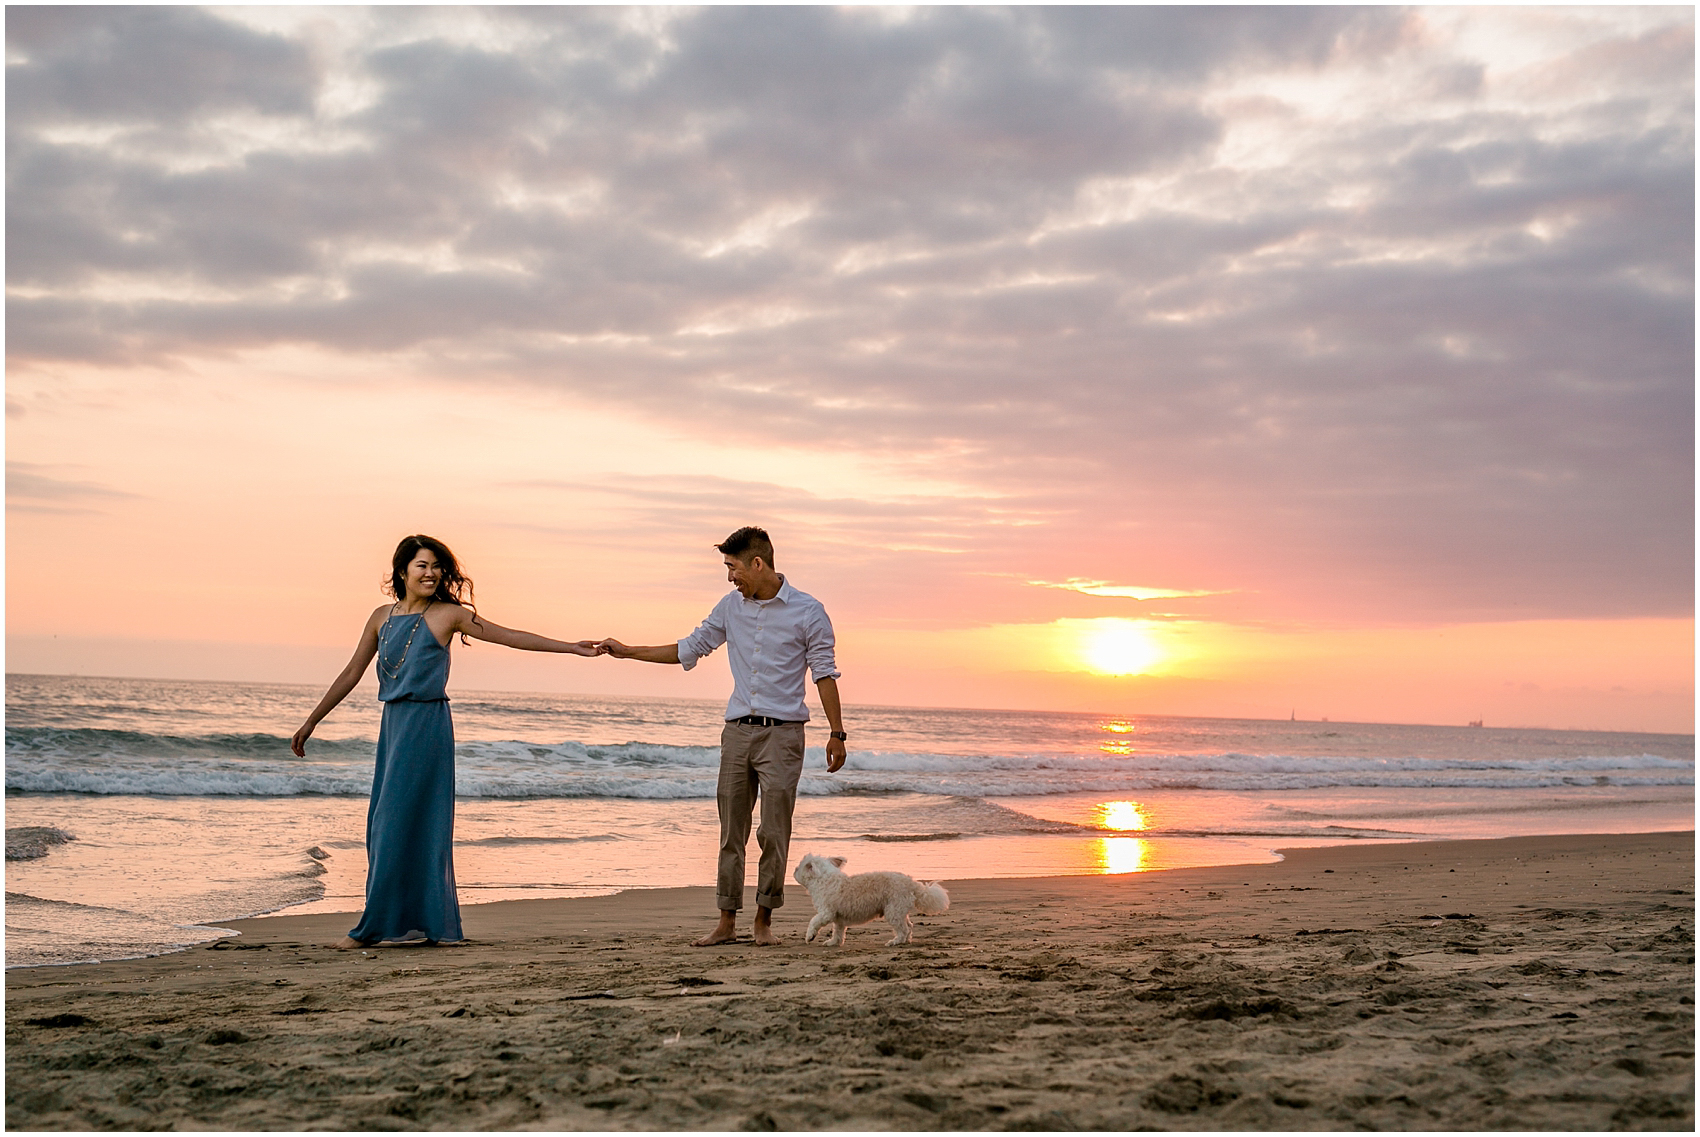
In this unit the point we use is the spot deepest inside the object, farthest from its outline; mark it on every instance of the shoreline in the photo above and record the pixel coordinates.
(1517, 983)
(316, 906)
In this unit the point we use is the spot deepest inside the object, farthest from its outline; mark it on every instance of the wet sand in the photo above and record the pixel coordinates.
(1526, 983)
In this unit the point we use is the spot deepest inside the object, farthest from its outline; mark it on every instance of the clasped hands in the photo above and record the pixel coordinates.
(593, 648)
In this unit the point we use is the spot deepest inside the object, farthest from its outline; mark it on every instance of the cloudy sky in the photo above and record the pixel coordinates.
(1331, 360)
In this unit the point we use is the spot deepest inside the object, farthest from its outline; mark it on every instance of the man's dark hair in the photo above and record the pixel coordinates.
(747, 543)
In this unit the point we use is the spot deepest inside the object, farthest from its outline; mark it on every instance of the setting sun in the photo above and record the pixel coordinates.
(1120, 647)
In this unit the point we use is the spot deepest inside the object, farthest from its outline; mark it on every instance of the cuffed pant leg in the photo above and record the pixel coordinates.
(777, 761)
(735, 797)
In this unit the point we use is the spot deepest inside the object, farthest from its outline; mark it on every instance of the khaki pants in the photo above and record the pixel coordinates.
(764, 762)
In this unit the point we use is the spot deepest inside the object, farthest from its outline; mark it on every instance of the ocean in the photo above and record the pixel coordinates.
(142, 813)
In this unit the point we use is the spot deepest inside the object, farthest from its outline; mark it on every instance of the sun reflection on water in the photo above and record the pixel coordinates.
(1122, 745)
(1121, 854)
(1121, 815)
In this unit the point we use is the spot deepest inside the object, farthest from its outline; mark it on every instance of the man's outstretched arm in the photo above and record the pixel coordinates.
(661, 653)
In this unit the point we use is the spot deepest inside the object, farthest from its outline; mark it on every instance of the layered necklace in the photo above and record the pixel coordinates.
(384, 669)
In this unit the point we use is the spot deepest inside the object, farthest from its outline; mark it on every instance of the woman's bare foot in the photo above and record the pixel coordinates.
(724, 932)
(347, 944)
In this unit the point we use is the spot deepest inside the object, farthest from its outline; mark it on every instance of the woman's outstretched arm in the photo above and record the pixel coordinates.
(343, 683)
(481, 629)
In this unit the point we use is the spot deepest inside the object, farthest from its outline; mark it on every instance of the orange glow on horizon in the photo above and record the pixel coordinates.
(1595, 674)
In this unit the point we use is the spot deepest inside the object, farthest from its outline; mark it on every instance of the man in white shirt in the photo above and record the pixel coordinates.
(774, 634)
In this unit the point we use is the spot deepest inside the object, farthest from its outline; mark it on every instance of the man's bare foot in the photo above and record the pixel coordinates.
(724, 932)
(347, 944)
(764, 927)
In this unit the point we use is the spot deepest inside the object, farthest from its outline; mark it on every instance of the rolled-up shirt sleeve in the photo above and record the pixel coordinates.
(710, 634)
(819, 645)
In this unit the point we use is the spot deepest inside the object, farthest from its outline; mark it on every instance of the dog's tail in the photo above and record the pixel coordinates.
(931, 897)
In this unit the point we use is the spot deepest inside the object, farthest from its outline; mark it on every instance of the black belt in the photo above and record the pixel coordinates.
(763, 720)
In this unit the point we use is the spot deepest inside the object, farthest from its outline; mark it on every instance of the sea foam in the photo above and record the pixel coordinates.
(56, 760)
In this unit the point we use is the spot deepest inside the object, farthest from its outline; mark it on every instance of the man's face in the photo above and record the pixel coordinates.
(743, 576)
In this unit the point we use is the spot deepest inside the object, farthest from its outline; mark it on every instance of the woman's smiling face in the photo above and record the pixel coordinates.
(423, 575)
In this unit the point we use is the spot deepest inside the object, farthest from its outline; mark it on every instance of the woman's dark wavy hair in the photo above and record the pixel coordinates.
(453, 586)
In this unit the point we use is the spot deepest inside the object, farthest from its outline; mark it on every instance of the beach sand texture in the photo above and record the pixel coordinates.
(1525, 983)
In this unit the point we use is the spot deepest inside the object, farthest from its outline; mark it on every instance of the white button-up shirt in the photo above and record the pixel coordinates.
(770, 644)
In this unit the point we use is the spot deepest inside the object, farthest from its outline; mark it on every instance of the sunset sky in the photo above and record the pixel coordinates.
(1236, 362)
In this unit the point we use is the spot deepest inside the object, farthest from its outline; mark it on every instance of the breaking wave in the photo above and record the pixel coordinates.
(64, 760)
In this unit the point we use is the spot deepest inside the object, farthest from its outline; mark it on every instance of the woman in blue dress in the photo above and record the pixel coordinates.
(410, 875)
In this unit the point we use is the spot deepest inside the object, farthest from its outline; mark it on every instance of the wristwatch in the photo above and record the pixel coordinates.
(840, 735)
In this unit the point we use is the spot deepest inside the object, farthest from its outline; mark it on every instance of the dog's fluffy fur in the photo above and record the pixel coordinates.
(842, 900)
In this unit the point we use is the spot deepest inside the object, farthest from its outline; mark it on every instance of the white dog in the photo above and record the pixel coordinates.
(842, 900)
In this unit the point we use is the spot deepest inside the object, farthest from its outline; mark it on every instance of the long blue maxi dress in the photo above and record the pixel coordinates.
(410, 874)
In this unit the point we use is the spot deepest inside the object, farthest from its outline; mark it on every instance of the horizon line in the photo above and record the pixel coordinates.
(884, 706)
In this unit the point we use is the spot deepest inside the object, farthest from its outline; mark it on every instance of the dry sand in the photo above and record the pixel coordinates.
(1529, 983)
